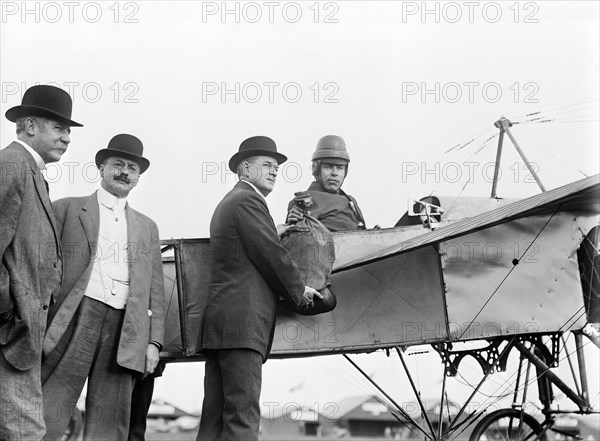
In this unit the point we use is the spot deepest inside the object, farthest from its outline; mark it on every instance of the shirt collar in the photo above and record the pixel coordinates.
(36, 156)
(254, 187)
(110, 201)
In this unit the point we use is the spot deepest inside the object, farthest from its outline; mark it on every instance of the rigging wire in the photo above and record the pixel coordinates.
(466, 161)
(408, 184)
(585, 114)
(553, 155)
(381, 398)
(577, 313)
(556, 108)
(508, 274)
(521, 388)
(569, 122)
(468, 181)
(353, 380)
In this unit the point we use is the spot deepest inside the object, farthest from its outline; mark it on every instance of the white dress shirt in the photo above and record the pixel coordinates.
(36, 156)
(255, 188)
(109, 282)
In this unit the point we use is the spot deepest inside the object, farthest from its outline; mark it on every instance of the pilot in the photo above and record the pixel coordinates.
(333, 207)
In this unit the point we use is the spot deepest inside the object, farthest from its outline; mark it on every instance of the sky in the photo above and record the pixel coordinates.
(414, 88)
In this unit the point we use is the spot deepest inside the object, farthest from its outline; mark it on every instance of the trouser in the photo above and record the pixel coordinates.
(231, 406)
(20, 403)
(88, 351)
(140, 403)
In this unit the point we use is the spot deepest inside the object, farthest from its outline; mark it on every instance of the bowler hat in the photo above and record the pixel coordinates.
(48, 101)
(256, 146)
(124, 146)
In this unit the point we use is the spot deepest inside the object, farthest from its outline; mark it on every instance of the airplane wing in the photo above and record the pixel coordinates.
(578, 197)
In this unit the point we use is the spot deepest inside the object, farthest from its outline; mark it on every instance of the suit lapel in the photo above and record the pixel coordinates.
(243, 185)
(90, 221)
(41, 189)
(133, 235)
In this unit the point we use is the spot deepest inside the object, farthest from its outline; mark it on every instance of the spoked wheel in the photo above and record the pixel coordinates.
(508, 425)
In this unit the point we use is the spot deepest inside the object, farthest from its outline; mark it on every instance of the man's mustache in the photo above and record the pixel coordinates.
(123, 178)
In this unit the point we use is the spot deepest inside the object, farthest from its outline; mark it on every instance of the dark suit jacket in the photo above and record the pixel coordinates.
(30, 270)
(333, 209)
(78, 222)
(250, 270)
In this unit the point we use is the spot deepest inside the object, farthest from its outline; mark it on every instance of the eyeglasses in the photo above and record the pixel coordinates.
(267, 165)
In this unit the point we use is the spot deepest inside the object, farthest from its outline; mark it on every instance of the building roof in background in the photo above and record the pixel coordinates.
(163, 409)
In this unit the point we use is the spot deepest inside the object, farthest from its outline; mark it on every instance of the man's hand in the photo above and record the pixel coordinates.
(282, 228)
(310, 294)
(152, 356)
(294, 215)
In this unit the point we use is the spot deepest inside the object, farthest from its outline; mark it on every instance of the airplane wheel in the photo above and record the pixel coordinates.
(507, 425)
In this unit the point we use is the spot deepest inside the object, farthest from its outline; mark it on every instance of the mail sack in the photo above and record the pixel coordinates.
(311, 246)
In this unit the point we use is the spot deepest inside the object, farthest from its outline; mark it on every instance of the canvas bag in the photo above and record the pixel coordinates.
(311, 246)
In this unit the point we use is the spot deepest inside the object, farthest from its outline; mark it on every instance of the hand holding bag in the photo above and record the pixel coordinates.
(311, 246)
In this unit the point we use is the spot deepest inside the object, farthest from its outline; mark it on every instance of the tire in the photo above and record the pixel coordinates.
(495, 427)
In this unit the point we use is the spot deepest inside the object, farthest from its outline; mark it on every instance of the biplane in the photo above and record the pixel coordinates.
(507, 276)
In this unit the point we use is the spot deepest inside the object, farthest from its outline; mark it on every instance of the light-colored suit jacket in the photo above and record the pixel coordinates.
(30, 265)
(78, 222)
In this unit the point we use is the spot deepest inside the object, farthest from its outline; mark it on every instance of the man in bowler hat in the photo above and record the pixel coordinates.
(250, 270)
(31, 260)
(107, 324)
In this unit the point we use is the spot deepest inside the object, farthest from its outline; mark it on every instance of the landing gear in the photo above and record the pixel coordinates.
(508, 425)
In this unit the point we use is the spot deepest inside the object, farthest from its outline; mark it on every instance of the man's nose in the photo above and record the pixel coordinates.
(66, 138)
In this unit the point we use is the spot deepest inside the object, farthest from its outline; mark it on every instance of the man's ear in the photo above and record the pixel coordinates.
(30, 126)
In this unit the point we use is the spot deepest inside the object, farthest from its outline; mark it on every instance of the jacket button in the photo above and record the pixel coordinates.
(45, 307)
(149, 313)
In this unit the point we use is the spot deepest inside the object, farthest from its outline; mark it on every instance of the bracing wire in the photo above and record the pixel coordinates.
(571, 122)
(586, 116)
(553, 155)
(550, 111)
(468, 180)
(507, 275)
(468, 158)
(576, 316)
(390, 407)
(378, 196)
(509, 386)
(417, 180)
(552, 115)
